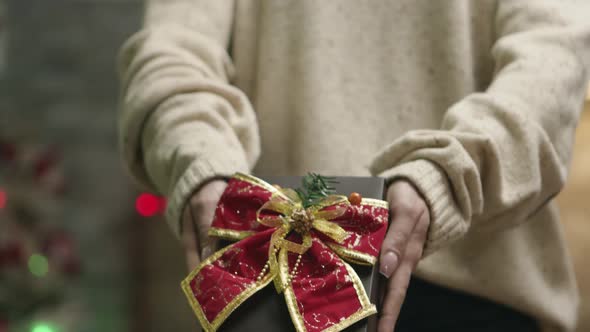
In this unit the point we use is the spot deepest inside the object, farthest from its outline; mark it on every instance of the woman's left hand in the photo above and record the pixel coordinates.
(402, 248)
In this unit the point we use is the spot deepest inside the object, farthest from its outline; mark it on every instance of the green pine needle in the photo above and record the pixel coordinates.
(314, 188)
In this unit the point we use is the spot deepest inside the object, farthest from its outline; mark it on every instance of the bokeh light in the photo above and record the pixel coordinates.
(42, 327)
(2, 198)
(162, 202)
(148, 205)
(38, 265)
(3, 325)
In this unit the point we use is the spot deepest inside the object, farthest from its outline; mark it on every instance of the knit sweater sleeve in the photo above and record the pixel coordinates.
(502, 153)
(181, 122)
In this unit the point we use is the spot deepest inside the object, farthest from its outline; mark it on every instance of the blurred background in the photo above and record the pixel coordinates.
(81, 248)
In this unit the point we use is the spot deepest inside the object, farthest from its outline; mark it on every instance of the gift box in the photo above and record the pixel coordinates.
(304, 260)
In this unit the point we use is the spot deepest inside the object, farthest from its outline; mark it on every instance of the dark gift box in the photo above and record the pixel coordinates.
(266, 310)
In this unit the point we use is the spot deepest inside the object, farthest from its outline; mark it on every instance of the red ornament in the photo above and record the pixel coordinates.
(3, 325)
(71, 267)
(60, 249)
(45, 163)
(11, 254)
(2, 199)
(355, 198)
(7, 151)
(59, 244)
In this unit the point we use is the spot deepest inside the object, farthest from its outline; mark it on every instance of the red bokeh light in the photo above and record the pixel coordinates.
(11, 254)
(148, 205)
(2, 198)
(3, 325)
(45, 162)
(162, 203)
(60, 249)
(7, 151)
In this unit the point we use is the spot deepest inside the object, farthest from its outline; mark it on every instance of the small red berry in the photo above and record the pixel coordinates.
(355, 198)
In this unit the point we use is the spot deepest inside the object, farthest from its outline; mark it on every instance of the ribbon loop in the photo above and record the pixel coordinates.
(332, 200)
(291, 194)
(279, 205)
(330, 229)
(330, 214)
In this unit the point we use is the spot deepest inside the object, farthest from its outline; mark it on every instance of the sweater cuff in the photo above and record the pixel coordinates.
(196, 174)
(446, 222)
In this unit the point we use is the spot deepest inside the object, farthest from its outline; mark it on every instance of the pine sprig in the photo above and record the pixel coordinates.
(314, 187)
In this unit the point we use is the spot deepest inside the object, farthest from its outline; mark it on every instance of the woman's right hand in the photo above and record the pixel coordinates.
(196, 219)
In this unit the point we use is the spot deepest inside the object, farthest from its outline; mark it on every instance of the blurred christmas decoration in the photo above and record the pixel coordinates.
(42, 327)
(38, 257)
(2, 47)
(149, 205)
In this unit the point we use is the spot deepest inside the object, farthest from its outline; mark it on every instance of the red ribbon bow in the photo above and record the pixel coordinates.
(301, 250)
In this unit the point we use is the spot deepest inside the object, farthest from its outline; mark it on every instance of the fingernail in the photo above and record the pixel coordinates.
(388, 264)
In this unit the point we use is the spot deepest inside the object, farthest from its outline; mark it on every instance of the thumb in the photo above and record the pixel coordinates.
(190, 240)
(204, 205)
(207, 243)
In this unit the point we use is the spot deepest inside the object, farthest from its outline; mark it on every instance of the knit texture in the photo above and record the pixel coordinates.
(474, 102)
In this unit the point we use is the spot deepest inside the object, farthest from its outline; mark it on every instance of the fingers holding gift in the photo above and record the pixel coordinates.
(189, 240)
(415, 247)
(197, 217)
(402, 248)
(407, 208)
(203, 204)
(395, 293)
(397, 286)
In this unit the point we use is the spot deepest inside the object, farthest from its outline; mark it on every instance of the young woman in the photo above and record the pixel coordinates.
(468, 108)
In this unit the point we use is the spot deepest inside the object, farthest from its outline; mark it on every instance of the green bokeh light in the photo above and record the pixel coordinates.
(42, 327)
(39, 266)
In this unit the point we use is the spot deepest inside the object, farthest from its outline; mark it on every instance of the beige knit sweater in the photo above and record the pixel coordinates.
(475, 102)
